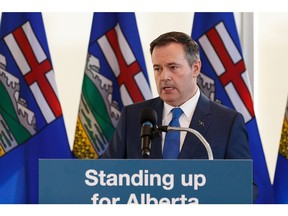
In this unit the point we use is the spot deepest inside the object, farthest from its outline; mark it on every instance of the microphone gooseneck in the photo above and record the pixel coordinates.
(190, 130)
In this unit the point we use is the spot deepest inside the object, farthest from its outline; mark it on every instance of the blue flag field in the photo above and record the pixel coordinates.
(224, 79)
(31, 120)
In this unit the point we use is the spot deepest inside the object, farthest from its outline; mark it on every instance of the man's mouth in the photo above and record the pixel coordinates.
(168, 88)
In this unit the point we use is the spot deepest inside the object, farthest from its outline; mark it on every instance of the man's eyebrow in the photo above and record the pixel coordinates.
(168, 64)
(173, 63)
(156, 65)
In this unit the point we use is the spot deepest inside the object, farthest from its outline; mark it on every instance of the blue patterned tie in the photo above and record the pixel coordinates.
(172, 138)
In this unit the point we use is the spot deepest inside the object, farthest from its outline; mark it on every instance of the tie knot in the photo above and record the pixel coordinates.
(177, 112)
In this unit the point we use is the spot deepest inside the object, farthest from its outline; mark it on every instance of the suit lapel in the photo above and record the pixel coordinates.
(201, 120)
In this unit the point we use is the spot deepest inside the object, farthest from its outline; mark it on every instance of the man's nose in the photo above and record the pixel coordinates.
(165, 75)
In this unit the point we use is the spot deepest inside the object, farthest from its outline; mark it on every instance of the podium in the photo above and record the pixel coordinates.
(128, 181)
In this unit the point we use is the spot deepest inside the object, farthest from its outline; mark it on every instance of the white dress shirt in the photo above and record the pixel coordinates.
(188, 109)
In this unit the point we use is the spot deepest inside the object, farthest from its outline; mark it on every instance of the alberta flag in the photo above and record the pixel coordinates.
(31, 120)
(224, 79)
(280, 184)
(115, 75)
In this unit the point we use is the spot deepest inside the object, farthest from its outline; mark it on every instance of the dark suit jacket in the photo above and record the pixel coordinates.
(223, 128)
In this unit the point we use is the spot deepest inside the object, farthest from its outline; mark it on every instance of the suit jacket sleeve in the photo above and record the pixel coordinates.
(116, 147)
(238, 147)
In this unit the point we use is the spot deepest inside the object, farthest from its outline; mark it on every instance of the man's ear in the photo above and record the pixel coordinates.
(196, 67)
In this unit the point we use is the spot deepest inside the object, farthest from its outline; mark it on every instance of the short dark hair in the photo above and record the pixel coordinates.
(190, 46)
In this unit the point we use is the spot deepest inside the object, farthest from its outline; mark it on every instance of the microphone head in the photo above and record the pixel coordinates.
(148, 115)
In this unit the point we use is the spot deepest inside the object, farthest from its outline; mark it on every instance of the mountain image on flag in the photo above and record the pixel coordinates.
(280, 184)
(115, 76)
(224, 79)
(14, 115)
(31, 121)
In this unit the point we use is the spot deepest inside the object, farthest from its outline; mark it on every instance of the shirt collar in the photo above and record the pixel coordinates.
(188, 107)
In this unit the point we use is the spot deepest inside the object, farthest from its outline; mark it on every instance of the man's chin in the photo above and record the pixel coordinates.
(169, 100)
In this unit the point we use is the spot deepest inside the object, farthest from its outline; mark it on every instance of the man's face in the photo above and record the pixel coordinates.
(175, 79)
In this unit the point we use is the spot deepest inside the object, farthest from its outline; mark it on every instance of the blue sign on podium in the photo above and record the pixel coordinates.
(145, 181)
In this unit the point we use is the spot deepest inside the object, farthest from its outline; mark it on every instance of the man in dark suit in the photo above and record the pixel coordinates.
(176, 63)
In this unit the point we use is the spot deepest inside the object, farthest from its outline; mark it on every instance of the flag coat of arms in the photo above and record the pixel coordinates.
(31, 121)
(115, 76)
(280, 184)
(224, 79)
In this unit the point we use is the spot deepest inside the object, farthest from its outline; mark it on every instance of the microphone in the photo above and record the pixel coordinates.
(148, 119)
